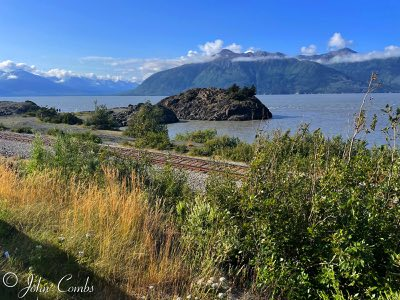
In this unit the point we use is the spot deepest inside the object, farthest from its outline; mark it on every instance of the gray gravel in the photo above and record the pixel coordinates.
(14, 148)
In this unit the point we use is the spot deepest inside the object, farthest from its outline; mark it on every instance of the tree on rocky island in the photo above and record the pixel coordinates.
(237, 93)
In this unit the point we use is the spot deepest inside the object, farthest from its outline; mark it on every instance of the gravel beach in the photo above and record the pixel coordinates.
(15, 149)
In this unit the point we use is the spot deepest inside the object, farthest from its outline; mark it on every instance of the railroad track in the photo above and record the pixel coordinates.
(155, 157)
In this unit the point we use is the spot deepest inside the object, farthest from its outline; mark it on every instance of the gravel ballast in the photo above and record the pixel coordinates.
(15, 149)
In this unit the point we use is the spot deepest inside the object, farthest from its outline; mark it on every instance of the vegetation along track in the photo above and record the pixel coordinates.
(155, 157)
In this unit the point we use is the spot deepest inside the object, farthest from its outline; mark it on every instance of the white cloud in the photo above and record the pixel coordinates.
(338, 42)
(11, 77)
(9, 66)
(257, 58)
(309, 50)
(250, 50)
(234, 48)
(211, 48)
(191, 53)
(143, 68)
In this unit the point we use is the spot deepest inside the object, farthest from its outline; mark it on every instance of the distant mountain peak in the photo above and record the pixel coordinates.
(226, 53)
(326, 57)
(343, 51)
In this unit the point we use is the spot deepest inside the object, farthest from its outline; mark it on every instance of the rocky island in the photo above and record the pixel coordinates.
(8, 108)
(216, 104)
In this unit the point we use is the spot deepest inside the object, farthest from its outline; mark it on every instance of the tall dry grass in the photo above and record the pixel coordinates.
(108, 227)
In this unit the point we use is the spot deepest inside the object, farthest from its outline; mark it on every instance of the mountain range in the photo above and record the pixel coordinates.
(276, 73)
(24, 83)
(340, 71)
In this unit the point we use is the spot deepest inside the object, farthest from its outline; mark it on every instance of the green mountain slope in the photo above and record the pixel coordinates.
(270, 76)
(388, 72)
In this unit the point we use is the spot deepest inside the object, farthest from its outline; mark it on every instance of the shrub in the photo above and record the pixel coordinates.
(168, 186)
(25, 129)
(155, 140)
(225, 147)
(72, 155)
(3, 127)
(55, 131)
(198, 136)
(181, 148)
(101, 118)
(315, 224)
(51, 115)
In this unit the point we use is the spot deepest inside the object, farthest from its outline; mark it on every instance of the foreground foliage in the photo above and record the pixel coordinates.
(315, 218)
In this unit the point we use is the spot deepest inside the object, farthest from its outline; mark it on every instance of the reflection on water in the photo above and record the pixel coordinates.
(333, 113)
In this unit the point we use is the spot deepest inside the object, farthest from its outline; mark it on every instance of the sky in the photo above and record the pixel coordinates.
(134, 39)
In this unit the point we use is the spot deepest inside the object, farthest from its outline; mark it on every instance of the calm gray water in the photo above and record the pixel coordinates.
(333, 113)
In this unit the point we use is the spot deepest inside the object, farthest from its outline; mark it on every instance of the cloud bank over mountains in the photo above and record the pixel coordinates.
(138, 69)
(60, 74)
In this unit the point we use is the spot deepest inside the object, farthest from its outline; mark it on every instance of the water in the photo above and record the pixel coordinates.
(332, 113)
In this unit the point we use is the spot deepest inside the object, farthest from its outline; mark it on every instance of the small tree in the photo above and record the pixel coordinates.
(101, 118)
(239, 94)
(147, 127)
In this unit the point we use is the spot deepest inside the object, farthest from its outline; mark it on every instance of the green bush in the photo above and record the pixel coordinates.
(71, 155)
(155, 140)
(51, 115)
(181, 149)
(198, 136)
(86, 135)
(225, 147)
(313, 224)
(102, 118)
(55, 131)
(24, 129)
(170, 187)
(80, 155)
(3, 127)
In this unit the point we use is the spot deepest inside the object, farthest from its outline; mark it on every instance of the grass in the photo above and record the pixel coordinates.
(109, 231)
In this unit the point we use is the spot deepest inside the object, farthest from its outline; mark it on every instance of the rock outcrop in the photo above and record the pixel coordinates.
(16, 108)
(123, 114)
(215, 104)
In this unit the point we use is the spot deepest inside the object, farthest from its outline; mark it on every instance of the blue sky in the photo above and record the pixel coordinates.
(133, 39)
